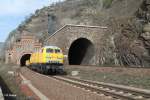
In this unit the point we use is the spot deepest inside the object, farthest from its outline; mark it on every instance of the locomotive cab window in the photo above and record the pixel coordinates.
(57, 51)
(49, 50)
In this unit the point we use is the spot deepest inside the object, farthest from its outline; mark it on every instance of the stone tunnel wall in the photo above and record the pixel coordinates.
(84, 45)
(27, 44)
(100, 37)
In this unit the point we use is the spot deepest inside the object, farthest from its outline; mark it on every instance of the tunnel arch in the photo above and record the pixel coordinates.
(81, 52)
(24, 58)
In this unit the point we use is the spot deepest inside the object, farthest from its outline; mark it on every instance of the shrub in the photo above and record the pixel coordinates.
(107, 3)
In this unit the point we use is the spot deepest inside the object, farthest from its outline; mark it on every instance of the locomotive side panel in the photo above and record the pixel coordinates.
(48, 59)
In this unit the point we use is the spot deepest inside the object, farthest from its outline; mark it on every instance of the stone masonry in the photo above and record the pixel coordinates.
(80, 43)
(26, 44)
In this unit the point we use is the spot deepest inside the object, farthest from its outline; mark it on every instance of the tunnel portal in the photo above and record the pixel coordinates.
(24, 58)
(81, 52)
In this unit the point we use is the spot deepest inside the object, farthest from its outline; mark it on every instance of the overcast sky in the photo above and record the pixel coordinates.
(13, 12)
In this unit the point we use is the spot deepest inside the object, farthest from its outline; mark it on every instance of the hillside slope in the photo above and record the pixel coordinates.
(87, 12)
(125, 18)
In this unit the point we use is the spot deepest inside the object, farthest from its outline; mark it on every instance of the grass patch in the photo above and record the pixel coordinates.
(116, 78)
(10, 80)
(107, 3)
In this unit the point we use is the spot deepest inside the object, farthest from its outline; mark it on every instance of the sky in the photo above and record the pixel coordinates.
(13, 12)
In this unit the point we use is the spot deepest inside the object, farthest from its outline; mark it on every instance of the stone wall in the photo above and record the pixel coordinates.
(26, 44)
(93, 38)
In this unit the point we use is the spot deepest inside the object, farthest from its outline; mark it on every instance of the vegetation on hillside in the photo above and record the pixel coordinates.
(118, 15)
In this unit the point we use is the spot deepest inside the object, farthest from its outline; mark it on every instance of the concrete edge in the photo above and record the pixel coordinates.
(1, 94)
(35, 90)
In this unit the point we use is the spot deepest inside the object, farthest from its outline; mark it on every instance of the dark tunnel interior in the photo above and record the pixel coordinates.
(24, 58)
(81, 52)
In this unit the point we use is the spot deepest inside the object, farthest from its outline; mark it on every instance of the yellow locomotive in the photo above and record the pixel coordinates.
(48, 59)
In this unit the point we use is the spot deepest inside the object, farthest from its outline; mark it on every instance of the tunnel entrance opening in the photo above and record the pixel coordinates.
(81, 52)
(24, 58)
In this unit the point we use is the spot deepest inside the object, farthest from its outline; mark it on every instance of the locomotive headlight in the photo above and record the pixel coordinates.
(47, 67)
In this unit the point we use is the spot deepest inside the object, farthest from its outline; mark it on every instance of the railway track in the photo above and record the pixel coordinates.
(117, 92)
(94, 66)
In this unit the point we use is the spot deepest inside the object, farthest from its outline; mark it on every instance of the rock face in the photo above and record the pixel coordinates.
(128, 40)
(130, 48)
(132, 42)
(1, 48)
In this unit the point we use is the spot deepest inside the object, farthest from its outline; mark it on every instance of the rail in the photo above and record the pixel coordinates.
(115, 91)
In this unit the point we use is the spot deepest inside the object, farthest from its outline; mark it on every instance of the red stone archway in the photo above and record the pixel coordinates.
(23, 57)
(26, 44)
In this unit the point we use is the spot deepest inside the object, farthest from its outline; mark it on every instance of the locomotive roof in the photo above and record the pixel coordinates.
(54, 47)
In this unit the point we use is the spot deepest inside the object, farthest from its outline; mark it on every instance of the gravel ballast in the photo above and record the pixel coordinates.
(57, 90)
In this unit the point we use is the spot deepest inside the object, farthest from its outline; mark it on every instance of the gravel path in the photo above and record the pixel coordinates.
(56, 90)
